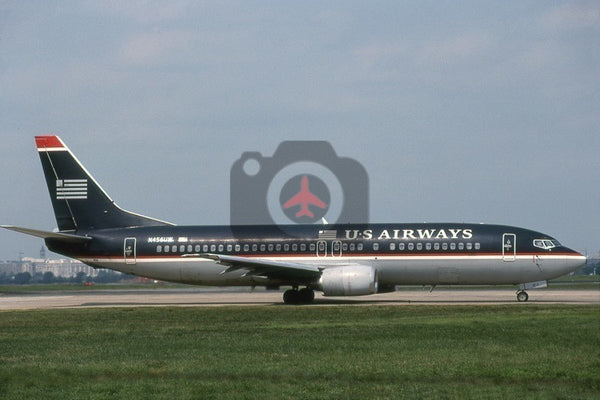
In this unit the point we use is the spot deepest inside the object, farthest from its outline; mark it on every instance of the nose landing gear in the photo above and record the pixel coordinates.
(522, 296)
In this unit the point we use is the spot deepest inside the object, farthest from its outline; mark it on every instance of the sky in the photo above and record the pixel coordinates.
(472, 111)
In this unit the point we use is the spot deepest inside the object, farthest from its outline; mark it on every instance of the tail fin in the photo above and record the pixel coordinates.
(78, 201)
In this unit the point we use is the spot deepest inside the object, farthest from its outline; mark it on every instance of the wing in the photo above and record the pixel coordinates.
(268, 268)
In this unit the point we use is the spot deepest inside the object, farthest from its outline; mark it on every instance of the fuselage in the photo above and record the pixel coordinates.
(403, 254)
(339, 259)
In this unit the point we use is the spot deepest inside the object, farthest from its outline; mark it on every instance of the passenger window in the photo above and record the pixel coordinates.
(411, 246)
(359, 247)
(352, 247)
(270, 247)
(392, 246)
(345, 246)
(461, 246)
(401, 246)
(427, 246)
(294, 247)
(237, 248)
(286, 247)
(159, 249)
(263, 247)
(444, 246)
(436, 246)
(375, 246)
(167, 248)
(303, 247)
(213, 248)
(477, 246)
(254, 247)
(469, 246)
(278, 247)
(182, 248)
(205, 248)
(197, 248)
(453, 246)
(246, 248)
(419, 246)
(229, 247)
(189, 248)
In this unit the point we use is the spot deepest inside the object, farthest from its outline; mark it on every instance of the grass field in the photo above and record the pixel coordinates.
(329, 352)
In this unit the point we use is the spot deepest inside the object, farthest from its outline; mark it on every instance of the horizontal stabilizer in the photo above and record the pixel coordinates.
(48, 235)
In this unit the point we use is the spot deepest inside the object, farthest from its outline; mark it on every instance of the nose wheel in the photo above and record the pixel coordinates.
(522, 296)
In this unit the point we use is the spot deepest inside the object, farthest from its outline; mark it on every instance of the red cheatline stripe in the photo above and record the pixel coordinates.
(48, 142)
(312, 257)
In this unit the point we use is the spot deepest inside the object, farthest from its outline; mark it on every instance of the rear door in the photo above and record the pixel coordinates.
(129, 250)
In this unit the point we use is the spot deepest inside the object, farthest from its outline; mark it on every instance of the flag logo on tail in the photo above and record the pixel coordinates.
(71, 189)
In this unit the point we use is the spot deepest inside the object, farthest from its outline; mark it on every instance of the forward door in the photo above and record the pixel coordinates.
(509, 247)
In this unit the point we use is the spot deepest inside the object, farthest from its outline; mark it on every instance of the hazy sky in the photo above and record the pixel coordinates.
(459, 111)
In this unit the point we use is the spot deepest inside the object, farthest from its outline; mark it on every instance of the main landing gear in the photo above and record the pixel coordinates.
(522, 296)
(295, 296)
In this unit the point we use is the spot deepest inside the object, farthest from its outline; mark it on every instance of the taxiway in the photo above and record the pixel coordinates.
(212, 297)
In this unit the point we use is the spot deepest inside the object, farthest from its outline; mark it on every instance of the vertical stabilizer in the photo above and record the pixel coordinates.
(78, 201)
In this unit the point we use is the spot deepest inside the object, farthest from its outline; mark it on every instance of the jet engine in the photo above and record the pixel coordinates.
(352, 280)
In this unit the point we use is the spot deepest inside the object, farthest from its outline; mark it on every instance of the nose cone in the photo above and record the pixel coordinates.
(574, 260)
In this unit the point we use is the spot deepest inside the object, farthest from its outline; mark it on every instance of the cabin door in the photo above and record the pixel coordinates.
(336, 248)
(321, 248)
(509, 247)
(129, 251)
(333, 249)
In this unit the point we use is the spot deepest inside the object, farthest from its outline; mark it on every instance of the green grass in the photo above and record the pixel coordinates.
(326, 352)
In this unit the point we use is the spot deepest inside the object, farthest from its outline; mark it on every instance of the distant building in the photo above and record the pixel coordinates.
(65, 268)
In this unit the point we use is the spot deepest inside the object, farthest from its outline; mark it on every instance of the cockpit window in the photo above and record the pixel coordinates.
(545, 244)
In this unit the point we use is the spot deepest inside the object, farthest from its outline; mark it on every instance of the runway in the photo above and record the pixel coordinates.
(202, 297)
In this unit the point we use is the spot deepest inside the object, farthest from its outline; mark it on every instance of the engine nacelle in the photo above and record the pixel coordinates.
(352, 280)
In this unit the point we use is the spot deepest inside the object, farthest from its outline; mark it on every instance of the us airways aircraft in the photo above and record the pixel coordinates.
(337, 259)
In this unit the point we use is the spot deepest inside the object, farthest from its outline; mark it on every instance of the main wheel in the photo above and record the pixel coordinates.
(306, 295)
(291, 296)
(302, 296)
(522, 296)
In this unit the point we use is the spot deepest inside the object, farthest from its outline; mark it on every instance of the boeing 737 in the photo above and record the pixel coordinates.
(335, 259)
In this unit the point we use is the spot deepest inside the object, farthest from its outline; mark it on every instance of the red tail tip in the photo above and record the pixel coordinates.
(48, 141)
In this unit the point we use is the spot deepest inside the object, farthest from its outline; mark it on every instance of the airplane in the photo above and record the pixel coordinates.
(305, 198)
(335, 259)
